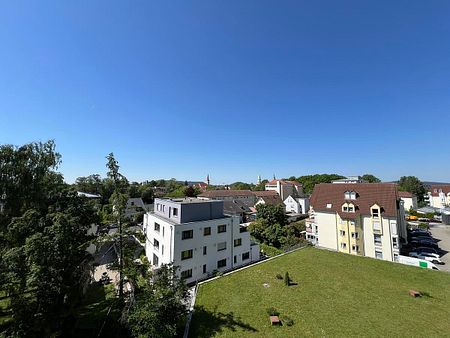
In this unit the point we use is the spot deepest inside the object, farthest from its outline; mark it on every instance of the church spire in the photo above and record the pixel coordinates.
(207, 179)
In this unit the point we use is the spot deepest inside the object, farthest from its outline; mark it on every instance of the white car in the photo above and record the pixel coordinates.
(430, 257)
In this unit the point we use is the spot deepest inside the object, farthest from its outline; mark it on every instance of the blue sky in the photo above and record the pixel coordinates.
(230, 88)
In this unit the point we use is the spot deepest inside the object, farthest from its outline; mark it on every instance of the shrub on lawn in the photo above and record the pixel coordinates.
(287, 279)
(287, 321)
(279, 276)
(271, 311)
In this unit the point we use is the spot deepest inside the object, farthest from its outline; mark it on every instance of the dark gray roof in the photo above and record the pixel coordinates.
(235, 207)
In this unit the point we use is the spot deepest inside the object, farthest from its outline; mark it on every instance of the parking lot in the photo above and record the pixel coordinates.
(442, 232)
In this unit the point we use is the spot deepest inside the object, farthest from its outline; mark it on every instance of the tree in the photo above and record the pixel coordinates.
(118, 202)
(160, 305)
(370, 178)
(413, 185)
(43, 235)
(241, 186)
(261, 186)
(271, 213)
(310, 181)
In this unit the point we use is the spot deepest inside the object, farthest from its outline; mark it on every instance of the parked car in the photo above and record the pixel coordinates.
(419, 231)
(426, 256)
(432, 251)
(425, 238)
(424, 242)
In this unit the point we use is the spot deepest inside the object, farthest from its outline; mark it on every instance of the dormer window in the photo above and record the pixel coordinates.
(348, 207)
(350, 195)
(375, 212)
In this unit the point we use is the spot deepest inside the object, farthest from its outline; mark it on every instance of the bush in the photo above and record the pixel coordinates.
(272, 312)
(270, 250)
(288, 321)
(287, 279)
(279, 276)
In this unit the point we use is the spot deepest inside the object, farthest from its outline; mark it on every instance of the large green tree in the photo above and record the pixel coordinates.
(370, 178)
(309, 181)
(160, 305)
(43, 232)
(413, 185)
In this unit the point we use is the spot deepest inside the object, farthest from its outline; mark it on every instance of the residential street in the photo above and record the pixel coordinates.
(442, 232)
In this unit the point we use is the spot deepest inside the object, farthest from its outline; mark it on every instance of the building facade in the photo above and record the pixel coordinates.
(409, 200)
(365, 219)
(299, 205)
(439, 196)
(196, 236)
(285, 188)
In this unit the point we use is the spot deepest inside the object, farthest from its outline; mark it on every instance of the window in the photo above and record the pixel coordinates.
(222, 228)
(162, 250)
(395, 242)
(351, 209)
(204, 250)
(158, 206)
(353, 223)
(345, 208)
(377, 239)
(375, 213)
(246, 255)
(347, 195)
(207, 231)
(163, 231)
(238, 242)
(329, 205)
(355, 247)
(222, 263)
(187, 234)
(352, 195)
(342, 233)
(395, 257)
(378, 254)
(221, 246)
(186, 274)
(187, 254)
(355, 235)
(155, 260)
(204, 268)
(175, 211)
(235, 259)
(157, 227)
(156, 244)
(343, 245)
(242, 229)
(376, 226)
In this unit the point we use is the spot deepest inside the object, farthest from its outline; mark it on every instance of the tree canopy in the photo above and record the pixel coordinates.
(413, 185)
(370, 178)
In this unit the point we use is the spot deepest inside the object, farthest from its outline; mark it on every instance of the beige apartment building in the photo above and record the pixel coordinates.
(365, 219)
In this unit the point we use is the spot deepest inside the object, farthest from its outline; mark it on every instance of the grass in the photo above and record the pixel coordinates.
(95, 312)
(332, 295)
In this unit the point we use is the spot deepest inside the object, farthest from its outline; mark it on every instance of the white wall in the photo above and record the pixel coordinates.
(174, 244)
(327, 235)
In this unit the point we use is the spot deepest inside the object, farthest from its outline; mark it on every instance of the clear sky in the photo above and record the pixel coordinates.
(230, 88)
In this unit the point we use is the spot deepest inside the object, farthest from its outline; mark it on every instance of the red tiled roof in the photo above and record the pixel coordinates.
(367, 194)
(405, 194)
(444, 187)
(271, 199)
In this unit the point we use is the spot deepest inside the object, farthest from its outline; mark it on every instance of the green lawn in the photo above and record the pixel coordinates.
(335, 295)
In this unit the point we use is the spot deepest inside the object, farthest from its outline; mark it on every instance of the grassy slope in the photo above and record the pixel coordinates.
(336, 295)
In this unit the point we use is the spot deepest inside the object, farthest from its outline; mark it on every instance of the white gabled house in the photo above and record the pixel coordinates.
(299, 205)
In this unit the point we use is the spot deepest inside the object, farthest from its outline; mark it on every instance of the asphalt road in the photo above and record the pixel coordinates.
(442, 232)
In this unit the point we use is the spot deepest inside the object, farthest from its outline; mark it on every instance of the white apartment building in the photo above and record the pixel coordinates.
(365, 219)
(196, 236)
(439, 197)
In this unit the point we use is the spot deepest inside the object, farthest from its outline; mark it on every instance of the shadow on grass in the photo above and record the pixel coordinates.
(425, 294)
(207, 323)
